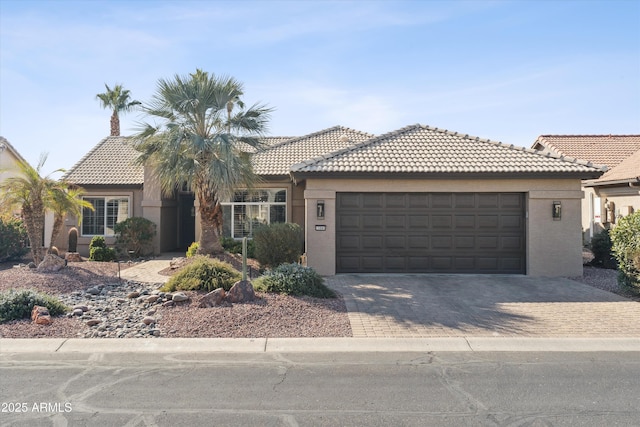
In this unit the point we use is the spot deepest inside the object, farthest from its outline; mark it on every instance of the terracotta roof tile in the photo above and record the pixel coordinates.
(277, 160)
(111, 162)
(626, 170)
(607, 150)
(422, 149)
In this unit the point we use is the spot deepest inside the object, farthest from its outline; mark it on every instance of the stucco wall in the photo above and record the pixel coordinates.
(62, 242)
(553, 247)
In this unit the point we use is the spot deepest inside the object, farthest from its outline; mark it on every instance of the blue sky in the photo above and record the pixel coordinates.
(504, 70)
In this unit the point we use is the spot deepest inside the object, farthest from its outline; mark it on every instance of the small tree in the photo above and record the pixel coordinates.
(13, 239)
(625, 239)
(134, 236)
(278, 243)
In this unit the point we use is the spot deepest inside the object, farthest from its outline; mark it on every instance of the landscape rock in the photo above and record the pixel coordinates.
(93, 322)
(51, 263)
(40, 315)
(241, 291)
(149, 320)
(179, 297)
(212, 299)
(73, 257)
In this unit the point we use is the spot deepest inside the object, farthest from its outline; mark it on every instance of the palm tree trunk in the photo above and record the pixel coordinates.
(210, 224)
(57, 227)
(34, 232)
(115, 124)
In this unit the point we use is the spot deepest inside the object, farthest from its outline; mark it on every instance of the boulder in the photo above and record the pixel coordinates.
(241, 291)
(179, 297)
(73, 257)
(51, 263)
(212, 299)
(40, 315)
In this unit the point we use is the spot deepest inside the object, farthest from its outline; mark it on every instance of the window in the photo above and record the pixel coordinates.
(250, 209)
(107, 212)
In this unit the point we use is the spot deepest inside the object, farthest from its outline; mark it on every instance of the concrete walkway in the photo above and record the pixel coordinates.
(147, 271)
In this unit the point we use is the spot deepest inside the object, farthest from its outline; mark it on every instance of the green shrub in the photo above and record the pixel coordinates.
(98, 250)
(601, 247)
(294, 279)
(278, 243)
(191, 251)
(234, 246)
(134, 236)
(626, 248)
(203, 274)
(17, 304)
(13, 239)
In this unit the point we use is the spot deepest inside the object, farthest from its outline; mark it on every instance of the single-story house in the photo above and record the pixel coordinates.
(10, 161)
(616, 193)
(416, 200)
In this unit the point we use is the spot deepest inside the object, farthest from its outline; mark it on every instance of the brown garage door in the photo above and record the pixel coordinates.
(430, 232)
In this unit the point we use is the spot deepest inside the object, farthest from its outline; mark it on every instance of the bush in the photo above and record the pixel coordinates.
(98, 250)
(278, 243)
(191, 251)
(17, 304)
(203, 274)
(601, 248)
(13, 239)
(626, 248)
(294, 279)
(135, 236)
(234, 246)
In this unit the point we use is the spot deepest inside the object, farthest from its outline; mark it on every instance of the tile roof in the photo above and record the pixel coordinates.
(277, 160)
(626, 170)
(423, 149)
(607, 150)
(111, 162)
(7, 144)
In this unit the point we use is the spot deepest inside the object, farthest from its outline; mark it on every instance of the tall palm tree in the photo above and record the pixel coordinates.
(65, 200)
(119, 101)
(203, 126)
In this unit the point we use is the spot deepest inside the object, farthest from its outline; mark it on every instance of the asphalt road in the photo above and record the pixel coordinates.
(320, 389)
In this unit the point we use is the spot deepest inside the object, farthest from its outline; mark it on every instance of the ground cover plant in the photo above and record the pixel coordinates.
(294, 279)
(203, 274)
(17, 304)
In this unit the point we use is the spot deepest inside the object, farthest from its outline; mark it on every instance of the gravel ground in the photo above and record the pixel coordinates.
(268, 316)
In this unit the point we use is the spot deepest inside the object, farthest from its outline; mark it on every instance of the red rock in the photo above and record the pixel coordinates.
(212, 299)
(241, 291)
(40, 315)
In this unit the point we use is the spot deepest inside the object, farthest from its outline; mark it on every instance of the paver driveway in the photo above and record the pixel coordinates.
(382, 305)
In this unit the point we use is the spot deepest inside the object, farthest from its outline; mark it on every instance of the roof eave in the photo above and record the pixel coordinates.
(302, 175)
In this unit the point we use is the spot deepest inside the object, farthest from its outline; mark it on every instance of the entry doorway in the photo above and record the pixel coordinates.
(186, 220)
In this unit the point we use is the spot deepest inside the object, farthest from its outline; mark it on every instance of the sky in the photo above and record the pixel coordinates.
(508, 71)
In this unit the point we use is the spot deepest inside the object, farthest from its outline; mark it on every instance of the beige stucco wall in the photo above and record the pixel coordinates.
(135, 209)
(625, 198)
(9, 165)
(553, 247)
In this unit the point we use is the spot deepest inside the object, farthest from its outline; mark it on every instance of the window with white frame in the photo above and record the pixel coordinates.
(108, 211)
(249, 209)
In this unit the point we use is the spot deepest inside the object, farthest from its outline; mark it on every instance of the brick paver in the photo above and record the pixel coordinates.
(491, 305)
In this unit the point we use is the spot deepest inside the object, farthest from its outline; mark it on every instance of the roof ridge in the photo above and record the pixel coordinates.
(314, 134)
(353, 147)
(89, 153)
(605, 135)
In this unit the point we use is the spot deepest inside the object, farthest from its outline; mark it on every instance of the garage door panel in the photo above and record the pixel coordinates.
(439, 222)
(430, 232)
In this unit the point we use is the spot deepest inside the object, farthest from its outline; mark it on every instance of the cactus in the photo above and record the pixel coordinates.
(73, 240)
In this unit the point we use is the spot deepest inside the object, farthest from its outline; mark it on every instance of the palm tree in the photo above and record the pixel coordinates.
(30, 192)
(199, 143)
(34, 195)
(65, 200)
(119, 101)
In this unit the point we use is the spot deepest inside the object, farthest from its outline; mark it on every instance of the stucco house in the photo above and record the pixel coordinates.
(419, 199)
(10, 160)
(616, 193)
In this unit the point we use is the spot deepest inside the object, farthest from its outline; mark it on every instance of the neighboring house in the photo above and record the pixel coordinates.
(10, 160)
(614, 194)
(419, 199)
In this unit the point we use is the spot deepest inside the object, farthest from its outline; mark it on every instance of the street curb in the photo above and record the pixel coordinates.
(318, 345)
